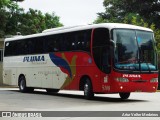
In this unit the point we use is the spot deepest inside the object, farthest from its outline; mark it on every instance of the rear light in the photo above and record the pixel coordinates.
(154, 80)
(121, 79)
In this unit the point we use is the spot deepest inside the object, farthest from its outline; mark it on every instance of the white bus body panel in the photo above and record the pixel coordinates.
(43, 74)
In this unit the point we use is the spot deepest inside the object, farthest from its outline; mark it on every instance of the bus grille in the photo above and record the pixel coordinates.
(139, 81)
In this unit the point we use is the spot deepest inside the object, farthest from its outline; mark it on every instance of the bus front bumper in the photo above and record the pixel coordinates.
(134, 87)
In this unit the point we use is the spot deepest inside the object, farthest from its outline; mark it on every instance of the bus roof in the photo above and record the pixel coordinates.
(78, 28)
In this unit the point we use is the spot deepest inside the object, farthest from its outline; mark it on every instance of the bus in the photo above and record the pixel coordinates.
(97, 59)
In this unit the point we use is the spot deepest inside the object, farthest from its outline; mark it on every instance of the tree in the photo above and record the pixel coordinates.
(13, 19)
(34, 22)
(4, 3)
(18, 0)
(116, 10)
(3, 16)
(135, 19)
(12, 13)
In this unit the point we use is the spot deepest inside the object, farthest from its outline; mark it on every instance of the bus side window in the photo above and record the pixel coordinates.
(13, 45)
(39, 41)
(30, 44)
(86, 40)
(62, 43)
(82, 40)
(55, 46)
(101, 49)
(49, 44)
(69, 38)
(7, 49)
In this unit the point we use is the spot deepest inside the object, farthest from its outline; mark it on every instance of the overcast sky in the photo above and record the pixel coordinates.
(71, 12)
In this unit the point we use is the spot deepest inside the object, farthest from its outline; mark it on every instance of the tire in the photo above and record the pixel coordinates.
(124, 96)
(22, 84)
(88, 90)
(52, 90)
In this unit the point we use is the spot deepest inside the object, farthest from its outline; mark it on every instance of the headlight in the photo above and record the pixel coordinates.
(122, 79)
(153, 80)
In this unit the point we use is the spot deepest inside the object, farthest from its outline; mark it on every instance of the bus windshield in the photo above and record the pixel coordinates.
(134, 50)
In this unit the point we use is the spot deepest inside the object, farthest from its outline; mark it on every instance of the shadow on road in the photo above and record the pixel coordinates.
(75, 96)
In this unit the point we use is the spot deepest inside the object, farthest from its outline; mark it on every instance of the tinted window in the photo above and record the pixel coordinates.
(101, 37)
(82, 40)
(101, 49)
(10, 48)
(79, 40)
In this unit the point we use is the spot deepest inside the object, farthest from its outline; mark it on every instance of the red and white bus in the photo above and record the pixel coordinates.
(101, 58)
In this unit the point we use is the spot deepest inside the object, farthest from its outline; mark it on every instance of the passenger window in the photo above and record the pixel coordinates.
(101, 49)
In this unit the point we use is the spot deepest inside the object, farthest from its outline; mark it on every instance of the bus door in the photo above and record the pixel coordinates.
(101, 55)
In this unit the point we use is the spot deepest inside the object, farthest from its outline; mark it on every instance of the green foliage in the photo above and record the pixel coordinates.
(100, 20)
(116, 10)
(13, 19)
(18, 0)
(4, 3)
(34, 22)
(3, 16)
(135, 19)
(157, 37)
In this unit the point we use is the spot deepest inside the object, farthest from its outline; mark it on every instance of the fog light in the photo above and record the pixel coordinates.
(121, 79)
(154, 87)
(153, 80)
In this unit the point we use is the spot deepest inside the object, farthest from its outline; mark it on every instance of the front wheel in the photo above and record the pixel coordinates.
(88, 90)
(124, 96)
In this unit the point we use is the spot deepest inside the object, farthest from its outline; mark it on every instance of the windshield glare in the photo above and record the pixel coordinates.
(134, 50)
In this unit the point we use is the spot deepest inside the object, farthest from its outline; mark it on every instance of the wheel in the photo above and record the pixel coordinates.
(88, 90)
(22, 84)
(52, 90)
(124, 95)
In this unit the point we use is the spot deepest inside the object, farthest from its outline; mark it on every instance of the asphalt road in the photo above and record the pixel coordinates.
(13, 100)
